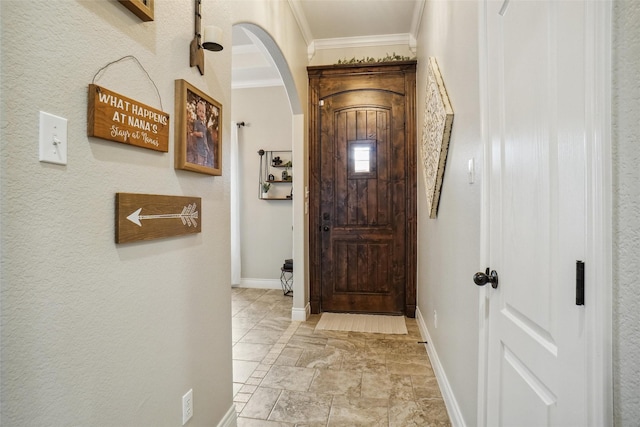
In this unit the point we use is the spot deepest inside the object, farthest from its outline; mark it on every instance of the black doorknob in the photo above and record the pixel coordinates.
(482, 279)
(326, 228)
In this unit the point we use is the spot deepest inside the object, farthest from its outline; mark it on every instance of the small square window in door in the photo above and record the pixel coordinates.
(362, 159)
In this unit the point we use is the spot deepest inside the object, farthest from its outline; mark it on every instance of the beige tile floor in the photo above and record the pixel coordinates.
(285, 374)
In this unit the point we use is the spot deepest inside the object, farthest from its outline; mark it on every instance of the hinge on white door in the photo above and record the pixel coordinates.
(579, 283)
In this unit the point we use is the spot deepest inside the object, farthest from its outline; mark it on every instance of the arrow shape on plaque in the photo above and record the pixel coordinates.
(188, 216)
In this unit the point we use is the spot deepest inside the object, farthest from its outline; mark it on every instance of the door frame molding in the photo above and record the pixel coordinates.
(599, 216)
(315, 265)
(599, 221)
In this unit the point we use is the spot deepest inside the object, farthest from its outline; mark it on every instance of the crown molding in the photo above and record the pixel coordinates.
(348, 42)
(245, 49)
(413, 44)
(311, 50)
(301, 18)
(252, 84)
(355, 42)
(417, 18)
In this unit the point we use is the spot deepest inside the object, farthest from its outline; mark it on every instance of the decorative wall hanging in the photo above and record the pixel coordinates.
(198, 130)
(143, 9)
(148, 216)
(115, 117)
(436, 131)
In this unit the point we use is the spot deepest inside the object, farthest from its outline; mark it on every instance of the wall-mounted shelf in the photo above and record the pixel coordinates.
(276, 170)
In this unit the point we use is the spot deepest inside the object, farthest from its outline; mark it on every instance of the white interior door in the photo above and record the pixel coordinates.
(536, 362)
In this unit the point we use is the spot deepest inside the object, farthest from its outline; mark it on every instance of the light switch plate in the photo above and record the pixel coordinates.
(53, 139)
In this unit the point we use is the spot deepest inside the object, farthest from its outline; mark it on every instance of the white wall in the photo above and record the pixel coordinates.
(449, 246)
(95, 333)
(626, 208)
(265, 226)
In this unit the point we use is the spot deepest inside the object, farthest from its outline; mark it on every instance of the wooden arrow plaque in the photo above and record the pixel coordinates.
(148, 216)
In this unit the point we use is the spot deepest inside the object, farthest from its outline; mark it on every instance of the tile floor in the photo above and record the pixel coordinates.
(287, 375)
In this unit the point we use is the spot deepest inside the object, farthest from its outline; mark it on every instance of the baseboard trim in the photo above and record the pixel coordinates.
(453, 408)
(230, 419)
(260, 283)
(301, 314)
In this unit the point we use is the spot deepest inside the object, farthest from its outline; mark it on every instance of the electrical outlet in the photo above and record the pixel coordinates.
(435, 319)
(187, 406)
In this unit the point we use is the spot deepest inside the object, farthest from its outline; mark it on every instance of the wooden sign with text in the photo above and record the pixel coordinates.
(117, 118)
(148, 216)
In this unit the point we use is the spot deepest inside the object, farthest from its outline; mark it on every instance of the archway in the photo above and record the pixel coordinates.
(300, 308)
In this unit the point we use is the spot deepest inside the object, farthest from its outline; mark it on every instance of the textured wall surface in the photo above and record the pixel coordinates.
(449, 246)
(95, 333)
(626, 212)
(265, 225)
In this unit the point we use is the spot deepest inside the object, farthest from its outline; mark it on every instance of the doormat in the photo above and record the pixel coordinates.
(376, 324)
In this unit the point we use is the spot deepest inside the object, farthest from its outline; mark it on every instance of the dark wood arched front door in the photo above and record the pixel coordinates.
(363, 188)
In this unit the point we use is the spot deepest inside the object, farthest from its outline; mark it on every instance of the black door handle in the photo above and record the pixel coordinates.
(325, 228)
(482, 279)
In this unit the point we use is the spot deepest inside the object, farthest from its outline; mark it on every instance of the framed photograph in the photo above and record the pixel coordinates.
(143, 9)
(198, 137)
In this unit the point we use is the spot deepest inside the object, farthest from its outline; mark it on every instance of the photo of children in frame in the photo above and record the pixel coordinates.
(203, 121)
(198, 130)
